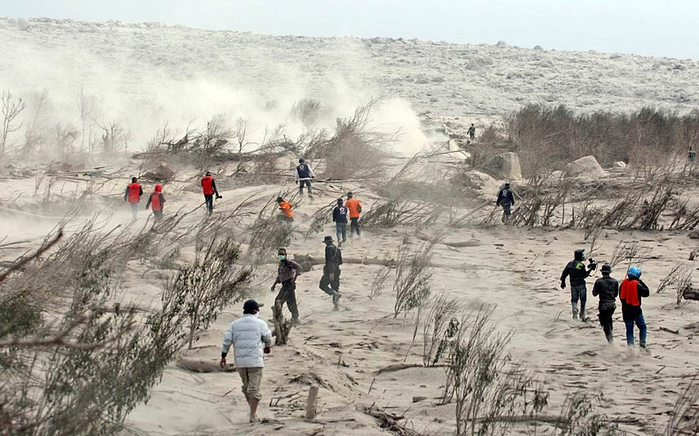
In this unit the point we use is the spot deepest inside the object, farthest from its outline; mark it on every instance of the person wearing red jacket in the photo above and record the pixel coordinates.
(133, 196)
(631, 292)
(157, 200)
(208, 185)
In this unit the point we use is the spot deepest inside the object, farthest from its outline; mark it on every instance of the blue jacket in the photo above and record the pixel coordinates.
(340, 215)
(505, 197)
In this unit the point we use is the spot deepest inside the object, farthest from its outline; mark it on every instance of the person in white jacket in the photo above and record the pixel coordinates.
(247, 334)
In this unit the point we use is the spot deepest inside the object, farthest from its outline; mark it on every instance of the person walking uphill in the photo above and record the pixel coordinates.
(355, 211)
(287, 273)
(340, 219)
(208, 185)
(247, 335)
(330, 282)
(133, 196)
(304, 175)
(472, 132)
(157, 201)
(631, 293)
(607, 288)
(506, 200)
(577, 272)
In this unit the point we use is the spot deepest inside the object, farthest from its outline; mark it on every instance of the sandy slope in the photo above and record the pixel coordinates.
(515, 270)
(169, 69)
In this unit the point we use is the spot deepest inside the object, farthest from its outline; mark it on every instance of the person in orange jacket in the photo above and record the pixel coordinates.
(133, 196)
(287, 215)
(355, 211)
(208, 185)
(157, 200)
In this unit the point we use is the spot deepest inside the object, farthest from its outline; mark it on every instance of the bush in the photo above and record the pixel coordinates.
(548, 138)
(412, 285)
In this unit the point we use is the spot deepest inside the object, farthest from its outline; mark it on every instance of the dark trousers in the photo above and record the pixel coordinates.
(209, 198)
(605, 320)
(330, 286)
(506, 212)
(303, 183)
(354, 227)
(157, 215)
(288, 295)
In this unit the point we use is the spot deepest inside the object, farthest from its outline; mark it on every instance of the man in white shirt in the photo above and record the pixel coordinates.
(247, 334)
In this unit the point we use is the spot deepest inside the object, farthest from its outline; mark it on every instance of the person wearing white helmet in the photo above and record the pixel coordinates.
(631, 292)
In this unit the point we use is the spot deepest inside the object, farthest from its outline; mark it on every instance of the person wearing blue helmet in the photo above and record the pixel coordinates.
(631, 292)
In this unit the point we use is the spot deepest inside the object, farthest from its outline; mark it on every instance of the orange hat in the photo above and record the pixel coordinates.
(158, 188)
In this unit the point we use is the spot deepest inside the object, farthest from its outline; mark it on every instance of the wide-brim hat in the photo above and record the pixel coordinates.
(328, 239)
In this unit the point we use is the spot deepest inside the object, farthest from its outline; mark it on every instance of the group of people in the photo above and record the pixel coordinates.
(156, 200)
(250, 336)
(631, 293)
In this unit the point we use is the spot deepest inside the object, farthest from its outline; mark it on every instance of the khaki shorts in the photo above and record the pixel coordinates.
(252, 378)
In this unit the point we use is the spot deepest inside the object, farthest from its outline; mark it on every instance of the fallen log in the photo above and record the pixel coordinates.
(548, 419)
(454, 244)
(402, 366)
(390, 422)
(307, 262)
(665, 329)
(200, 365)
(282, 326)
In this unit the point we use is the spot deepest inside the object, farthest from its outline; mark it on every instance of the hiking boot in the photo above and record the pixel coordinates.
(295, 321)
(575, 314)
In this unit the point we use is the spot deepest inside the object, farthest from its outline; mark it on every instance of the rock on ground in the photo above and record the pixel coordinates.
(505, 166)
(586, 167)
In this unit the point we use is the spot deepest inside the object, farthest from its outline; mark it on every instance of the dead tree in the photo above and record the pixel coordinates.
(34, 134)
(11, 109)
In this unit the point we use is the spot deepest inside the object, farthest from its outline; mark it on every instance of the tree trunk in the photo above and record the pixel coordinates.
(282, 327)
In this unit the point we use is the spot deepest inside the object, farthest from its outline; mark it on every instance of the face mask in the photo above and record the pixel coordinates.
(257, 314)
(282, 257)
